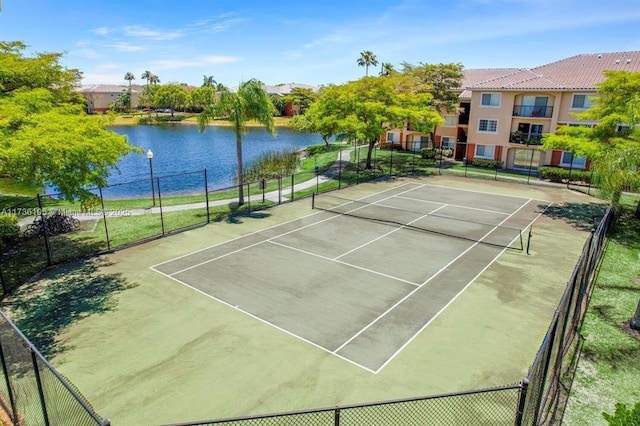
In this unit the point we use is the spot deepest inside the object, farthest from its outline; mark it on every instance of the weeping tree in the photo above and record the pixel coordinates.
(249, 102)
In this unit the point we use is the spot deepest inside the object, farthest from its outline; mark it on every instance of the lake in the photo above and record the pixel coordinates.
(182, 148)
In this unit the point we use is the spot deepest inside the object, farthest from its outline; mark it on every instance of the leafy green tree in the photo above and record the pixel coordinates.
(201, 97)
(624, 416)
(45, 136)
(363, 110)
(613, 145)
(129, 77)
(366, 59)
(279, 104)
(302, 97)
(442, 81)
(170, 95)
(249, 102)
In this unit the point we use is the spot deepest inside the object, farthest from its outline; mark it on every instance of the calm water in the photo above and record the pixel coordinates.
(181, 148)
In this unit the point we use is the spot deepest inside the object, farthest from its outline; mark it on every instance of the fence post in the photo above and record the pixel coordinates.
(336, 417)
(340, 168)
(104, 218)
(160, 204)
(2, 281)
(293, 182)
(43, 403)
(249, 196)
(44, 231)
(522, 400)
(14, 411)
(206, 195)
(279, 189)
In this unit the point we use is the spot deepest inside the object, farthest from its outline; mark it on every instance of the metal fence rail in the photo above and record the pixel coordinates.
(32, 392)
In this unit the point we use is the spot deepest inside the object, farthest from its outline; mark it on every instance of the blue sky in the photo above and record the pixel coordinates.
(312, 42)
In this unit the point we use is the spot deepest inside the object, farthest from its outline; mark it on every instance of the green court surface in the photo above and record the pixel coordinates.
(294, 308)
(360, 290)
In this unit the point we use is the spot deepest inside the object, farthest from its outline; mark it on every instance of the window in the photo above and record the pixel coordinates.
(484, 151)
(490, 100)
(448, 142)
(622, 128)
(490, 126)
(568, 160)
(393, 137)
(450, 120)
(581, 102)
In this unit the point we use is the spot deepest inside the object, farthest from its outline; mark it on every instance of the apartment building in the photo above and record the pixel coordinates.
(504, 112)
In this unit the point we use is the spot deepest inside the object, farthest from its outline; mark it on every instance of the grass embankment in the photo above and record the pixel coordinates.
(187, 118)
(609, 366)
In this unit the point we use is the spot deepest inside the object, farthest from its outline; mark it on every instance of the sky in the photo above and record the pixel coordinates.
(310, 41)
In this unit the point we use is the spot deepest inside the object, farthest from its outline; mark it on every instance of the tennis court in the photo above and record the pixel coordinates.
(362, 289)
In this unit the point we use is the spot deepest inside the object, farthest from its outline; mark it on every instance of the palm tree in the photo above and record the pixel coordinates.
(208, 81)
(129, 77)
(367, 58)
(249, 102)
(154, 79)
(146, 76)
(387, 69)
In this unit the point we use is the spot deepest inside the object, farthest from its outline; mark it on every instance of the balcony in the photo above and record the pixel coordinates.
(526, 138)
(532, 111)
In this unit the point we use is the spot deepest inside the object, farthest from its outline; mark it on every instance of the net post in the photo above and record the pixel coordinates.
(529, 238)
(313, 200)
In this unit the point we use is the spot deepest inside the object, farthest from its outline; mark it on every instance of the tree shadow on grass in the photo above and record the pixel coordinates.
(626, 231)
(43, 309)
(583, 216)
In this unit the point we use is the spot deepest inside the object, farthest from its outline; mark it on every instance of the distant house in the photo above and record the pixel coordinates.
(100, 97)
(504, 112)
(283, 90)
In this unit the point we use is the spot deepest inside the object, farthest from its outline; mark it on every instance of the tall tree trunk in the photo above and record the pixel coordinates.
(638, 210)
(635, 321)
(372, 144)
(240, 171)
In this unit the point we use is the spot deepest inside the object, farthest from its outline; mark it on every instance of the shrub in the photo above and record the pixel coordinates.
(435, 153)
(623, 416)
(9, 229)
(489, 164)
(558, 174)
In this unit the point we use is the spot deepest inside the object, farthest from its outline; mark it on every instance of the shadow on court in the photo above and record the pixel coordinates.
(73, 292)
(583, 216)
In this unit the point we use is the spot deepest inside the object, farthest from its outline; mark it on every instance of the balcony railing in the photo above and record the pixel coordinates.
(532, 111)
(526, 138)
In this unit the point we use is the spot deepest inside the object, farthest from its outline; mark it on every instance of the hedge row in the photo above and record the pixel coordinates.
(558, 174)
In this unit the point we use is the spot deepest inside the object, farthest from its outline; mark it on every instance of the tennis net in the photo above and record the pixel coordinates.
(478, 232)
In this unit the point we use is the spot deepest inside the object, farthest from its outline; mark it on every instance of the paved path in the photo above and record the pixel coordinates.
(332, 171)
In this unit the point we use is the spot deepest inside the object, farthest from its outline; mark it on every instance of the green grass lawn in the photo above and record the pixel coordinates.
(609, 366)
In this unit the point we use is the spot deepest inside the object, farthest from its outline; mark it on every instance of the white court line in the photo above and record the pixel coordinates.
(265, 321)
(385, 313)
(454, 205)
(345, 263)
(456, 296)
(270, 227)
(484, 192)
(388, 233)
(267, 240)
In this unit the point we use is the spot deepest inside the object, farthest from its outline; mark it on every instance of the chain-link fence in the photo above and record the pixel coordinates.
(494, 406)
(32, 392)
(551, 374)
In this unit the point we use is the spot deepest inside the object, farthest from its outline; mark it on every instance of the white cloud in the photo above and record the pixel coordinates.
(101, 31)
(177, 64)
(124, 46)
(147, 33)
(219, 59)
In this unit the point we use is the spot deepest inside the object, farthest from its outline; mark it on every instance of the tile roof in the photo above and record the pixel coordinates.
(107, 88)
(479, 75)
(580, 72)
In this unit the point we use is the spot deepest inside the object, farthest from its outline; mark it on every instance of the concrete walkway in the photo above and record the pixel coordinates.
(331, 172)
